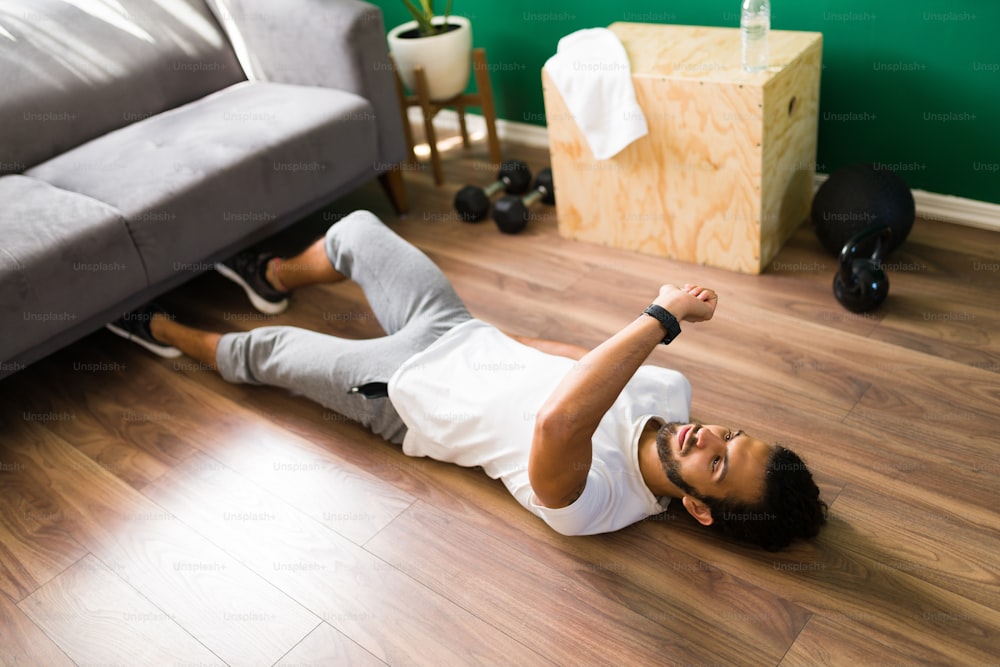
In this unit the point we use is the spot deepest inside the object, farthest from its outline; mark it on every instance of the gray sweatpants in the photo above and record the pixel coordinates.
(410, 297)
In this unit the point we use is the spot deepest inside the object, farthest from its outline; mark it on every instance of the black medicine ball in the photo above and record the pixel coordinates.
(857, 197)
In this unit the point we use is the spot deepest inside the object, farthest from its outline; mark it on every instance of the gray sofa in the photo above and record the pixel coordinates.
(142, 141)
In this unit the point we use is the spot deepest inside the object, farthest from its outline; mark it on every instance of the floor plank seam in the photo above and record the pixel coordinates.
(152, 604)
(856, 403)
(791, 645)
(31, 620)
(444, 596)
(364, 545)
(284, 655)
(54, 576)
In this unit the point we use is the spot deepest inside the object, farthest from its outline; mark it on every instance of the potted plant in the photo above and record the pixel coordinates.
(441, 44)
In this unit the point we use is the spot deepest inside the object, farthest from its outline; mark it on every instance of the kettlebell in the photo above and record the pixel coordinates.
(861, 285)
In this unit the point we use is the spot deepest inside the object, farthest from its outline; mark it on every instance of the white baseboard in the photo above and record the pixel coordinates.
(930, 205)
(946, 208)
(518, 133)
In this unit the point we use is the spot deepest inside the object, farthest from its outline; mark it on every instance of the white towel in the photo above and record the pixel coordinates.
(593, 75)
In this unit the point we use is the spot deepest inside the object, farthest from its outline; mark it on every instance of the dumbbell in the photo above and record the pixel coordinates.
(473, 203)
(511, 213)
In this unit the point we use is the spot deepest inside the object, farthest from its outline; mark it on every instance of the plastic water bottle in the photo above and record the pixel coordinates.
(755, 23)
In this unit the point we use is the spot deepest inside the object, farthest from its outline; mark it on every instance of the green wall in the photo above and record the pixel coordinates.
(913, 84)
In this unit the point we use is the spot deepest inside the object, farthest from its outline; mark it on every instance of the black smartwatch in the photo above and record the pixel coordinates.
(669, 322)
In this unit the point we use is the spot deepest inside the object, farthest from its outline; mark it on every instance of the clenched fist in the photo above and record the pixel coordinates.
(690, 304)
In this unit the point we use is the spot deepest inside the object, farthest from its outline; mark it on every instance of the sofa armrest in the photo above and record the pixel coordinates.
(337, 44)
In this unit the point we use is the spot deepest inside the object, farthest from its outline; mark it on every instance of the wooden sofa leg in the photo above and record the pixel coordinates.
(395, 188)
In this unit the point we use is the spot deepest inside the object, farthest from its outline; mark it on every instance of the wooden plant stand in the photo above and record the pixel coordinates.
(482, 98)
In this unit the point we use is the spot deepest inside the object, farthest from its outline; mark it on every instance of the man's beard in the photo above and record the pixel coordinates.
(671, 465)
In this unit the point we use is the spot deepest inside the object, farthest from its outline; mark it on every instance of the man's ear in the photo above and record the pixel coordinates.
(698, 510)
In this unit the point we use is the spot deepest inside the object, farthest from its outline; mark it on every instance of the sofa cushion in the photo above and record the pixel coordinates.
(71, 70)
(64, 257)
(207, 174)
(356, 61)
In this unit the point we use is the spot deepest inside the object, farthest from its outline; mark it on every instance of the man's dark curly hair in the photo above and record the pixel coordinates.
(789, 508)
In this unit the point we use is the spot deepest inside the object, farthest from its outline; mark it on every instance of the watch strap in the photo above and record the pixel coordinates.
(664, 317)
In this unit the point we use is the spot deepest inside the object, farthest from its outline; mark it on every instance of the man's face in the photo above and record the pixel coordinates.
(714, 461)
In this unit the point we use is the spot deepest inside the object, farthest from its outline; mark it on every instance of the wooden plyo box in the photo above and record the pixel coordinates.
(725, 174)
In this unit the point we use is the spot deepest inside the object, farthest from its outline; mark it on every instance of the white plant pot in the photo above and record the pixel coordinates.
(446, 58)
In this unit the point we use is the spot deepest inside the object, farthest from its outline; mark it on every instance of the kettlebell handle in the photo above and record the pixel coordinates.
(861, 285)
(881, 234)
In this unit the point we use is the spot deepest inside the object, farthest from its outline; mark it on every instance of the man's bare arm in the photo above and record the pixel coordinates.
(561, 449)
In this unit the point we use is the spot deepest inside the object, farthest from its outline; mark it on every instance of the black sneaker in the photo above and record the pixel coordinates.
(247, 270)
(134, 326)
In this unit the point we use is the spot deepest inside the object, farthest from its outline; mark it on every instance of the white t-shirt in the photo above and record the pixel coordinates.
(471, 399)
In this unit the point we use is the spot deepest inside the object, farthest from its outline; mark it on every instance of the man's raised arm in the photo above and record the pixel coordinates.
(561, 447)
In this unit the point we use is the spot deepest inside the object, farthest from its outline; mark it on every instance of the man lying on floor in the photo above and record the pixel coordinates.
(590, 441)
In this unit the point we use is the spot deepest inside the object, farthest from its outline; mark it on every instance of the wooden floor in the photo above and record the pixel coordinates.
(150, 513)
